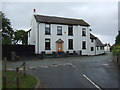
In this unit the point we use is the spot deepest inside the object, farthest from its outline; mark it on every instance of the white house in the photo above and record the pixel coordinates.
(107, 47)
(57, 34)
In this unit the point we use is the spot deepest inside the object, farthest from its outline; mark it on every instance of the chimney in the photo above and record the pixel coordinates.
(34, 11)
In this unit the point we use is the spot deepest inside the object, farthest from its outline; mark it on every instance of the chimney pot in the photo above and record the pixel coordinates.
(34, 10)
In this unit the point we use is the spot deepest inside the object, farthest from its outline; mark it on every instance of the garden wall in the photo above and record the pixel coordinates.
(18, 49)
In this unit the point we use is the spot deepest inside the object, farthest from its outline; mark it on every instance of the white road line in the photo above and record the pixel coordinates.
(91, 82)
(75, 67)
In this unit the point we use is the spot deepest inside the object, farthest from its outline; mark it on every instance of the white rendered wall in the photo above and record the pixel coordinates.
(38, 29)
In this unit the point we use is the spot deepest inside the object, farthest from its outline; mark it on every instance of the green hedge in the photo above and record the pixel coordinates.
(116, 49)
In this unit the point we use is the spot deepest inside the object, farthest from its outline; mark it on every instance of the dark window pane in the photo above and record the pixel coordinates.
(83, 44)
(70, 30)
(70, 43)
(92, 48)
(59, 30)
(47, 44)
(92, 40)
(83, 32)
(47, 29)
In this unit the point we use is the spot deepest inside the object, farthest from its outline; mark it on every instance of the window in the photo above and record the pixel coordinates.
(83, 44)
(70, 30)
(47, 29)
(47, 44)
(92, 40)
(101, 48)
(70, 43)
(83, 31)
(92, 48)
(59, 30)
(97, 48)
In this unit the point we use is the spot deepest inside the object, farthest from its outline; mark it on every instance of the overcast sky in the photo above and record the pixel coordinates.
(102, 16)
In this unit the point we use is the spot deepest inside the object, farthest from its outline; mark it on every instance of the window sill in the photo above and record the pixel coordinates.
(59, 34)
(47, 34)
(70, 35)
(47, 49)
(70, 49)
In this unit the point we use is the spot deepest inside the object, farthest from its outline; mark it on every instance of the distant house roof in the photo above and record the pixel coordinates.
(92, 36)
(107, 44)
(99, 43)
(60, 20)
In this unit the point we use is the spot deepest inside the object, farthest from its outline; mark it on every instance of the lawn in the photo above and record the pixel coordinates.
(28, 81)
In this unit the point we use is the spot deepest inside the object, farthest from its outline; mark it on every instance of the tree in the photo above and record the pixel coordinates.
(7, 30)
(20, 36)
(117, 42)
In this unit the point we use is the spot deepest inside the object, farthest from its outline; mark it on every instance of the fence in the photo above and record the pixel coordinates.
(16, 78)
(18, 49)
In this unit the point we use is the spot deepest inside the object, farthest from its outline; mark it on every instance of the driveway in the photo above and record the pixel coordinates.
(75, 72)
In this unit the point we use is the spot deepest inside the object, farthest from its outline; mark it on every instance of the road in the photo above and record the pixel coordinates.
(75, 72)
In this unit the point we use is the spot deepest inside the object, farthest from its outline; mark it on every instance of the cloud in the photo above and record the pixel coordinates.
(102, 16)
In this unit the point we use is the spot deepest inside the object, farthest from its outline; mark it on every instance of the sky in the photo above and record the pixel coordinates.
(102, 16)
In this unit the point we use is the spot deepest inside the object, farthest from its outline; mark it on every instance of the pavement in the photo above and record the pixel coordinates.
(74, 72)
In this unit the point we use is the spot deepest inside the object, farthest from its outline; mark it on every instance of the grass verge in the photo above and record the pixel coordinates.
(28, 81)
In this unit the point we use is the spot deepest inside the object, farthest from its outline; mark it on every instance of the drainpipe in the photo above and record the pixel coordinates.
(38, 38)
(95, 46)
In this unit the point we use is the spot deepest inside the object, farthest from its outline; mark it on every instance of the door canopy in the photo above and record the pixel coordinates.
(59, 41)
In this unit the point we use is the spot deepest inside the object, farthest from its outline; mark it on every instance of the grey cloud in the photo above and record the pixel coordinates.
(101, 16)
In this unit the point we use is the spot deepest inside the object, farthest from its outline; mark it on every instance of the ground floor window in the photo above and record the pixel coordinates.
(101, 48)
(83, 44)
(70, 43)
(47, 44)
(97, 48)
(92, 48)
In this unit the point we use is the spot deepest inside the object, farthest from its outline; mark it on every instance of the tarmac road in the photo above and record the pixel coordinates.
(76, 72)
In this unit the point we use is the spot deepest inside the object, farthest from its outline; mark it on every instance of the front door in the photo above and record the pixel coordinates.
(59, 47)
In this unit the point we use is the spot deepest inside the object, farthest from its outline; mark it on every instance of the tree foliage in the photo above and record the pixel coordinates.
(7, 30)
(117, 42)
(20, 36)
(9, 35)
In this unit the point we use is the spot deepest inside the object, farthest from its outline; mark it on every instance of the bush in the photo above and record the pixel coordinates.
(116, 49)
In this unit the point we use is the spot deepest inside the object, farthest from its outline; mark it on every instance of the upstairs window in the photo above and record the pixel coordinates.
(83, 31)
(47, 44)
(70, 30)
(92, 40)
(83, 44)
(47, 29)
(70, 44)
(59, 30)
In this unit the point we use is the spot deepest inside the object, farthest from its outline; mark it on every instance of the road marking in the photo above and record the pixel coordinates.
(44, 66)
(110, 60)
(105, 64)
(75, 67)
(91, 82)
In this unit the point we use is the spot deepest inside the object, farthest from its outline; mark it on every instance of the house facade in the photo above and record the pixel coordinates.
(57, 34)
(107, 47)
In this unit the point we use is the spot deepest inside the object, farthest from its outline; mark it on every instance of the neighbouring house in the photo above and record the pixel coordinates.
(52, 34)
(107, 47)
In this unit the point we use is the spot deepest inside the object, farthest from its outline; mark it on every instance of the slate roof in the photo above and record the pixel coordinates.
(60, 20)
(92, 36)
(99, 43)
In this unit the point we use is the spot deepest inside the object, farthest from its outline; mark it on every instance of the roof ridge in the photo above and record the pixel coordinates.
(61, 17)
